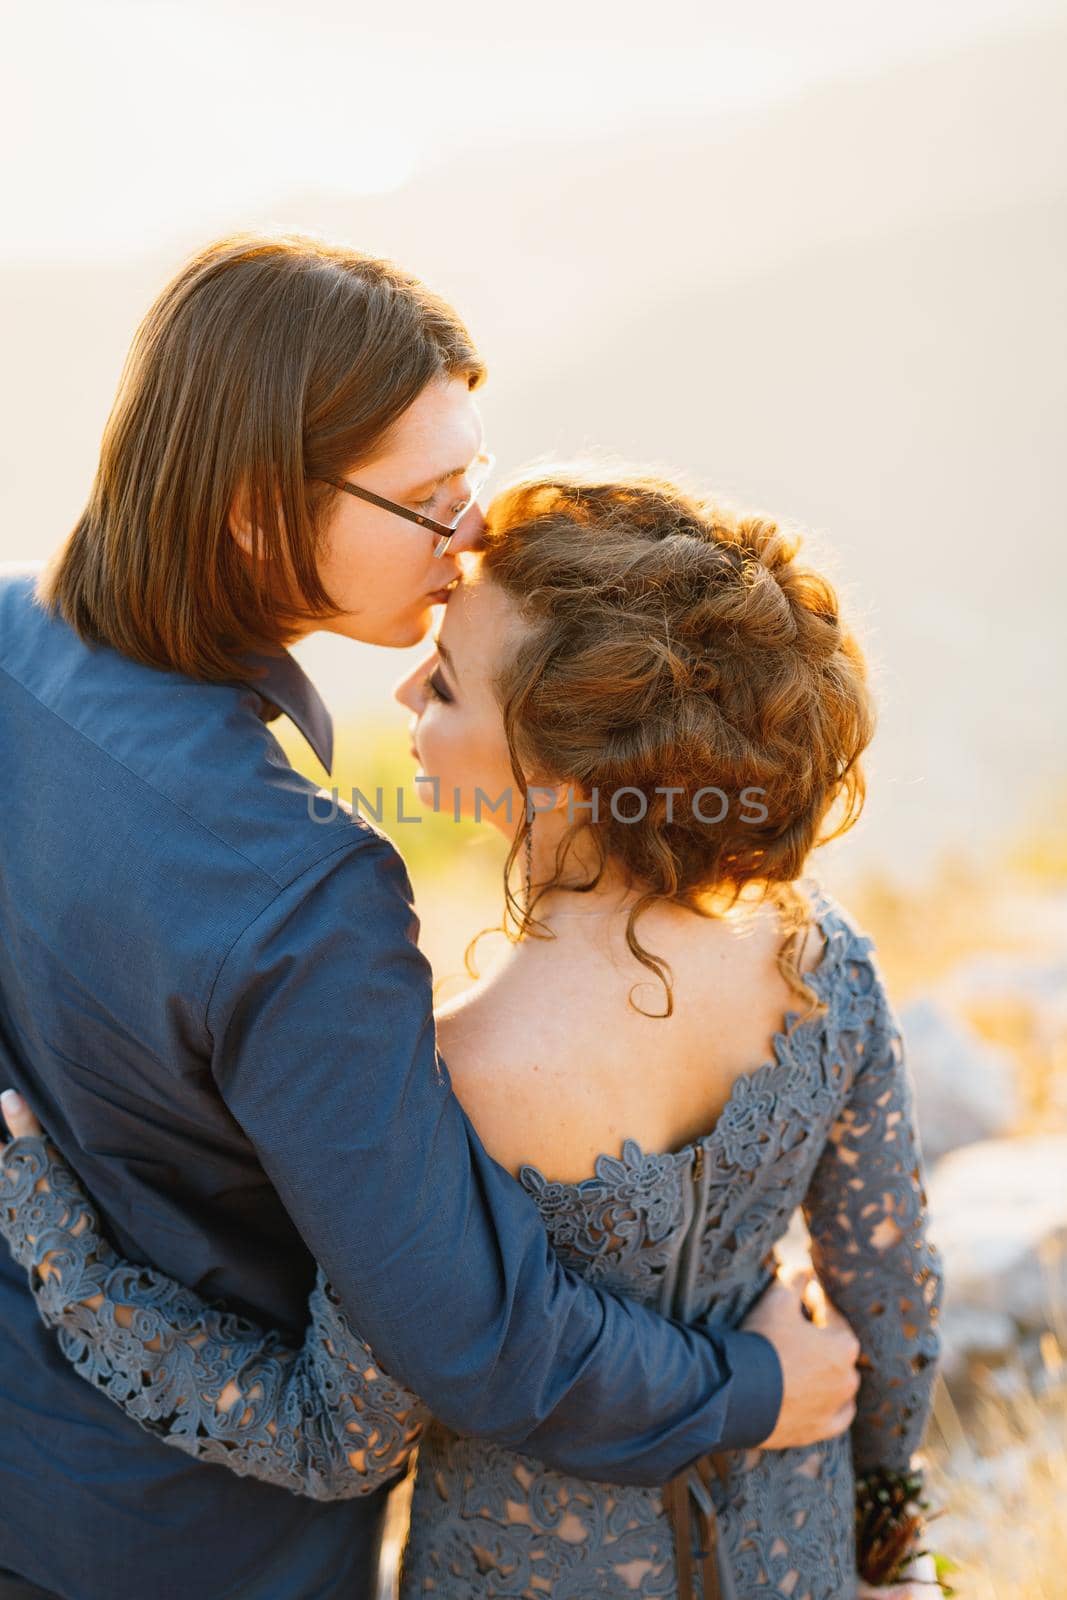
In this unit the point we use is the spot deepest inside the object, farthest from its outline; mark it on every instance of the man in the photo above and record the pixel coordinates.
(216, 1003)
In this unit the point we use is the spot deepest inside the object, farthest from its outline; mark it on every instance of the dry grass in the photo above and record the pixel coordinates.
(1001, 1470)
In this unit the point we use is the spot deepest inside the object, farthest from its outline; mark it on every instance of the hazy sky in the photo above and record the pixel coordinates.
(127, 122)
(811, 255)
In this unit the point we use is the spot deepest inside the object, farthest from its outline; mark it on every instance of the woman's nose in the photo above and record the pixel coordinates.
(411, 691)
(406, 693)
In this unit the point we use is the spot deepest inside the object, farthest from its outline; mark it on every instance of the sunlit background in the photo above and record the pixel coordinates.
(813, 256)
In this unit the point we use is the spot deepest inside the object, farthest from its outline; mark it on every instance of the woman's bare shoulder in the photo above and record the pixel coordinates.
(478, 1017)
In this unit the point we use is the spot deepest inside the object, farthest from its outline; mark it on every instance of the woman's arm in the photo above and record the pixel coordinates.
(866, 1213)
(323, 1421)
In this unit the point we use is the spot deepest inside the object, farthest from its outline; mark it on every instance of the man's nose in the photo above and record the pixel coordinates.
(470, 532)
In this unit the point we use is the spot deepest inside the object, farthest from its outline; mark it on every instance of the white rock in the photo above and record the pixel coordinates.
(975, 1331)
(998, 1215)
(965, 1088)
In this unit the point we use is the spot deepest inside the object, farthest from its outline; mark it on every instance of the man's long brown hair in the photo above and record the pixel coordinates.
(267, 363)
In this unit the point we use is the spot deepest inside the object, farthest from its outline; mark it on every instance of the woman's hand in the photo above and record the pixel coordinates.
(920, 1584)
(21, 1122)
(45, 1215)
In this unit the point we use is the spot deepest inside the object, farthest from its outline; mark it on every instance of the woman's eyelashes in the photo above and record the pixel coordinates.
(435, 685)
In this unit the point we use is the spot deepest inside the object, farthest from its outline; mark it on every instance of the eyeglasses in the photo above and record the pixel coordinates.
(477, 475)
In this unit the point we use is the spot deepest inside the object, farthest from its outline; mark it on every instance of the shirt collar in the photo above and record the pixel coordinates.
(286, 685)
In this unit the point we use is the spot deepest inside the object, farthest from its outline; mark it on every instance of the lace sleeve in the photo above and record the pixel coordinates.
(323, 1421)
(866, 1213)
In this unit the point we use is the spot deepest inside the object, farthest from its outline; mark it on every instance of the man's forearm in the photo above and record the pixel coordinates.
(326, 1055)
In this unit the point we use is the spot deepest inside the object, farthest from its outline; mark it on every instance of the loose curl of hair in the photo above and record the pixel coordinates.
(672, 642)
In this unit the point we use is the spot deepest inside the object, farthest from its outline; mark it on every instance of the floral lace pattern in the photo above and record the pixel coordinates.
(827, 1125)
(323, 1421)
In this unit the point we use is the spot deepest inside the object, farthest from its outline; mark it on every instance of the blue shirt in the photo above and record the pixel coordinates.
(217, 1006)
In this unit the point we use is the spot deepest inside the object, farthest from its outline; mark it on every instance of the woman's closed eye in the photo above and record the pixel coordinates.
(435, 684)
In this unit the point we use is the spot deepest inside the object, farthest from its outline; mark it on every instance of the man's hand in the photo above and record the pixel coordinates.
(818, 1357)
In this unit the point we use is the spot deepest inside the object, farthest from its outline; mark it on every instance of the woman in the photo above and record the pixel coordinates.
(679, 711)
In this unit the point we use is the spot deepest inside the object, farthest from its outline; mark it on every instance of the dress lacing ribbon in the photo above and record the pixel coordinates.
(695, 1524)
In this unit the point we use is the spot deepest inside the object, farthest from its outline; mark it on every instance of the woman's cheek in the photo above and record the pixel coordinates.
(486, 782)
(466, 765)
(436, 744)
(428, 765)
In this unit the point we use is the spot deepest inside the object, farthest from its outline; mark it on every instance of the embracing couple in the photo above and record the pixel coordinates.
(278, 1226)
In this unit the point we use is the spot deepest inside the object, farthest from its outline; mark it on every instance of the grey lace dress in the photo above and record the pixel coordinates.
(826, 1125)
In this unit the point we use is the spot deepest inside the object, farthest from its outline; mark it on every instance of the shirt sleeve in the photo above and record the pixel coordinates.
(866, 1211)
(324, 1049)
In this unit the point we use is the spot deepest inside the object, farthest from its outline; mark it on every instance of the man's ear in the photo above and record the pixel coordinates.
(241, 526)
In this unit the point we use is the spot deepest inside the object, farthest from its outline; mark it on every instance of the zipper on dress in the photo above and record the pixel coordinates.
(692, 1509)
(690, 1254)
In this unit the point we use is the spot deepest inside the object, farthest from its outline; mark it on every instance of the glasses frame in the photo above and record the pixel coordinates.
(445, 533)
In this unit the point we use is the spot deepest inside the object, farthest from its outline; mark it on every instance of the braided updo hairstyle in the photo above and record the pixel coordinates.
(675, 644)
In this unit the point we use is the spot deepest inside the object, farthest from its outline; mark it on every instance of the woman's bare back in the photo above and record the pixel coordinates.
(555, 1068)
